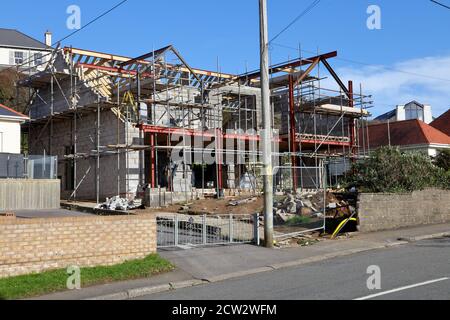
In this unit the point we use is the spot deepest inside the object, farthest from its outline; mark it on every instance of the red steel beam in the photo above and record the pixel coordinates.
(291, 64)
(245, 137)
(153, 160)
(352, 128)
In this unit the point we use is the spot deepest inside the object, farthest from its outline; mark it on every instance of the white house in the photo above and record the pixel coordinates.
(18, 49)
(409, 135)
(410, 111)
(10, 136)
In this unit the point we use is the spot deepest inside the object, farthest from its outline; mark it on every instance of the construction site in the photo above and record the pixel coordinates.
(154, 130)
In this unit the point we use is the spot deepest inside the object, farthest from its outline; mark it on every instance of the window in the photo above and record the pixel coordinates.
(414, 111)
(18, 57)
(38, 59)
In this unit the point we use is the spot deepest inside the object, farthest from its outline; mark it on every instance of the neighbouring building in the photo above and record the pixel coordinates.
(20, 50)
(410, 111)
(443, 123)
(410, 135)
(10, 134)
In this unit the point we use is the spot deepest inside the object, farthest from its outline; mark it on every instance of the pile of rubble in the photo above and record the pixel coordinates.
(296, 205)
(304, 240)
(311, 205)
(120, 204)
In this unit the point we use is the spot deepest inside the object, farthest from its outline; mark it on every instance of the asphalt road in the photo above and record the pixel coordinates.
(415, 271)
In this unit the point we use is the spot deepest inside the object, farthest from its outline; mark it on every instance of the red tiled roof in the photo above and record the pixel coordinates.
(443, 123)
(405, 133)
(10, 112)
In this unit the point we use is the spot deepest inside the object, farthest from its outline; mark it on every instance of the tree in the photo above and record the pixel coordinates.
(9, 96)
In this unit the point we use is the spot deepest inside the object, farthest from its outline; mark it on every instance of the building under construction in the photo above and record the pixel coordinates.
(155, 125)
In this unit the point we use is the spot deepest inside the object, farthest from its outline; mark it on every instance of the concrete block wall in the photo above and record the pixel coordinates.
(393, 211)
(110, 172)
(41, 109)
(186, 117)
(37, 245)
(22, 194)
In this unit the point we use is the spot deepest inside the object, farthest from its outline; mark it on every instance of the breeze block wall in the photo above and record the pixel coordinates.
(393, 211)
(37, 245)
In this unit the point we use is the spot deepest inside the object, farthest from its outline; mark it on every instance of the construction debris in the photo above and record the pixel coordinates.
(235, 203)
(312, 205)
(304, 240)
(120, 204)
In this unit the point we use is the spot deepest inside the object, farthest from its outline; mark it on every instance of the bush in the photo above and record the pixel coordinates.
(390, 170)
(442, 160)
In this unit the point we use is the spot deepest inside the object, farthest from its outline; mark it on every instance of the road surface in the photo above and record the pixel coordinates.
(419, 270)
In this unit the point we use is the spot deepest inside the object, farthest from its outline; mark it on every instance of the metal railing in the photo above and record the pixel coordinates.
(180, 230)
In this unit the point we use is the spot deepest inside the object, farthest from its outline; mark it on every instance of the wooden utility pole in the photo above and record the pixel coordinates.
(267, 127)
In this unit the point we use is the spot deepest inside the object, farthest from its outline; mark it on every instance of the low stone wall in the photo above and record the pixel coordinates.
(25, 194)
(393, 211)
(36, 245)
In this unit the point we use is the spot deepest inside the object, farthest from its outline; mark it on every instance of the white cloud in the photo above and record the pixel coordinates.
(390, 87)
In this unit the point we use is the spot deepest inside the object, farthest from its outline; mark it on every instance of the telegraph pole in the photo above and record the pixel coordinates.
(267, 126)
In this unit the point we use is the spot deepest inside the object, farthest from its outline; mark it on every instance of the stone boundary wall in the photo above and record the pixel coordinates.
(26, 194)
(37, 245)
(393, 211)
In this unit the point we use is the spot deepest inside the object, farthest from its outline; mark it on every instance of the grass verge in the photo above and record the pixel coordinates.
(53, 281)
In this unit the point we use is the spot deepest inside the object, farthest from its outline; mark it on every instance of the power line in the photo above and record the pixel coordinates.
(440, 4)
(93, 21)
(29, 59)
(301, 15)
(370, 65)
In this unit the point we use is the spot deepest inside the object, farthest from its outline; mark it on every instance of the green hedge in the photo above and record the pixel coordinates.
(392, 171)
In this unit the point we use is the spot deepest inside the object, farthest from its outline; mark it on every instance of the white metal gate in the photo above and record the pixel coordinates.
(179, 230)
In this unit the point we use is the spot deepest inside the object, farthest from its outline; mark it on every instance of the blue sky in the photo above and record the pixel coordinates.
(412, 38)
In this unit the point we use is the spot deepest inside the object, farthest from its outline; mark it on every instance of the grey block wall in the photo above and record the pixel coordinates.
(393, 211)
(118, 175)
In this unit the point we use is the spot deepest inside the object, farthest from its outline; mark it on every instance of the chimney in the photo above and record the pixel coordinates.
(427, 114)
(48, 38)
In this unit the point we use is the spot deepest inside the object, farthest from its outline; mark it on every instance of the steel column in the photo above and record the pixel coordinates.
(292, 132)
(352, 129)
(153, 160)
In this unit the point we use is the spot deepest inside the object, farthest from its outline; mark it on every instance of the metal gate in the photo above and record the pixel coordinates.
(179, 230)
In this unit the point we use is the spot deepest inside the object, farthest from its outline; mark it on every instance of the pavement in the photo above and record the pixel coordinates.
(54, 213)
(207, 266)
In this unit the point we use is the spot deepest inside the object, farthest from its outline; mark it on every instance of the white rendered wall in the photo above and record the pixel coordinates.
(10, 137)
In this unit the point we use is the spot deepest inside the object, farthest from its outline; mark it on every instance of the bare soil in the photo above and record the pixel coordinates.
(214, 207)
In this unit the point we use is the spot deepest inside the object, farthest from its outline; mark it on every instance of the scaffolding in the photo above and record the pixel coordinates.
(163, 107)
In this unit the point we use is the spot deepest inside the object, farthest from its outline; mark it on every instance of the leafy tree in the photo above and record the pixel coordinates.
(9, 96)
